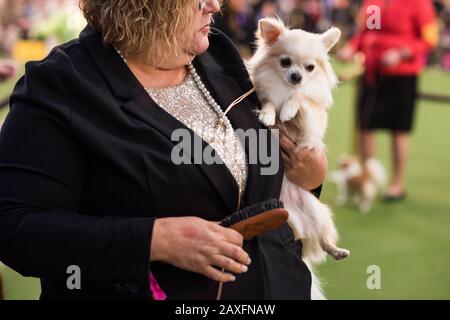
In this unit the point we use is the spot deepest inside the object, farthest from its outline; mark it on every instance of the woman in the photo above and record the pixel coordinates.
(395, 37)
(86, 173)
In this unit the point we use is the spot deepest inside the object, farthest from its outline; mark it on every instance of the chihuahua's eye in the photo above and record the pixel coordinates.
(310, 67)
(286, 62)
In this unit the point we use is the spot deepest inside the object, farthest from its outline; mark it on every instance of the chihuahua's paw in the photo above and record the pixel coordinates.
(339, 253)
(267, 116)
(288, 112)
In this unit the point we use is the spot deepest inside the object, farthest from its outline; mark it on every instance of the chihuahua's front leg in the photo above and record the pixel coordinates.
(267, 114)
(290, 107)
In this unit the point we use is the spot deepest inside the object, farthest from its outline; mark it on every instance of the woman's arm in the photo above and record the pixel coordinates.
(354, 43)
(41, 184)
(427, 29)
(424, 39)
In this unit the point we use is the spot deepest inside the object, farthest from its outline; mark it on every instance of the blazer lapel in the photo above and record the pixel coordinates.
(142, 107)
(226, 89)
(135, 101)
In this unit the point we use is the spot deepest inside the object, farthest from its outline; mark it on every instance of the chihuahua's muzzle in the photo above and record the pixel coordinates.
(295, 78)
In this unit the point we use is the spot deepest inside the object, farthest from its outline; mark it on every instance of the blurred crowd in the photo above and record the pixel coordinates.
(47, 20)
(50, 22)
(29, 28)
(239, 20)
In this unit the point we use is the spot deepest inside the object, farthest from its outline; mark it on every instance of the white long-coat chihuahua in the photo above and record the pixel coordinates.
(294, 81)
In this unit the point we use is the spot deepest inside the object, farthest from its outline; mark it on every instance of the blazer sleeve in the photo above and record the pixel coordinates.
(427, 36)
(42, 231)
(318, 191)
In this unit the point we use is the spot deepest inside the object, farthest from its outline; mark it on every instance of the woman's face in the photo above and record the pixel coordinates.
(197, 42)
(204, 12)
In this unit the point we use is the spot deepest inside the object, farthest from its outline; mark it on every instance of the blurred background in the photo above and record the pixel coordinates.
(408, 240)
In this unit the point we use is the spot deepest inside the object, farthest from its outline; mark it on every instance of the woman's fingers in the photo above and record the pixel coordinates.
(218, 275)
(286, 160)
(234, 252)
(228, 264)
(286, 144)
(232, 236)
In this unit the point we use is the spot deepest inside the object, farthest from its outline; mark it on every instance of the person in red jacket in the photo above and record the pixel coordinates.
(395, 37)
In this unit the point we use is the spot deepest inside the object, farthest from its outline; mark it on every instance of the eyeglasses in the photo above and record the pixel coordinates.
(202, 4)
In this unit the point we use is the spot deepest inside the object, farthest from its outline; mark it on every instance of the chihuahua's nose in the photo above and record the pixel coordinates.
(296, 78)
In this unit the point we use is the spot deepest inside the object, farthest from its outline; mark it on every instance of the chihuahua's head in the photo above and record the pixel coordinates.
(300, 58)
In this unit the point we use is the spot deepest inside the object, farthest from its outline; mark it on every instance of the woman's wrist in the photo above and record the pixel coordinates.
(157, 245)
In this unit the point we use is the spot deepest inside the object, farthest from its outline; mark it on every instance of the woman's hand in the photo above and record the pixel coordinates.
(393, 57)
(306, 168)
(197, 245)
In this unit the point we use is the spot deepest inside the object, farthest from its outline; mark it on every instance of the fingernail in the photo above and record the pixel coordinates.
(249, 261)
(244, 269)
(232, 278)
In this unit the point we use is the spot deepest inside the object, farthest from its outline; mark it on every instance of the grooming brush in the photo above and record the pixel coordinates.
(254, 220)
(257, 219)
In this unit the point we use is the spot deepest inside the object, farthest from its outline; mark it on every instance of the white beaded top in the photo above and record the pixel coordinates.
(191, 103)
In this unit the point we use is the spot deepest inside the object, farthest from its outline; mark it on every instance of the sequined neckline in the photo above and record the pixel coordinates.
(181, 84)
(188, 104)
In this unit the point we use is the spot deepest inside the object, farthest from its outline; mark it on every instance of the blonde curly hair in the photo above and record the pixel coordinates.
(143, 29)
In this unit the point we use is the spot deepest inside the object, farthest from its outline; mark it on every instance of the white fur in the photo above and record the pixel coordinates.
(372, 179)
(378, 172)
(300, 109)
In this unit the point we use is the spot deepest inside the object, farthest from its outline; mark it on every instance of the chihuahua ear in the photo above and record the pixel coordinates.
(330, 37)
(270, 30)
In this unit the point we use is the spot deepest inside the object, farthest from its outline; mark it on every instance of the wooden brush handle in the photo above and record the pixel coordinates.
(261, 223)
(256, 225)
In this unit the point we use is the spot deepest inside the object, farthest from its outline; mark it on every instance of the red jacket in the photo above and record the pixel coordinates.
(404, 24)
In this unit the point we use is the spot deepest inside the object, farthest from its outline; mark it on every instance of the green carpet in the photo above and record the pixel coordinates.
(409, 241)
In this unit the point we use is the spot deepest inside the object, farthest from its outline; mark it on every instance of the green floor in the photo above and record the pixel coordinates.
(410, 242)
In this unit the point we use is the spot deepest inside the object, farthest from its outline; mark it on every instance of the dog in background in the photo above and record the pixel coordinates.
(360, 183)
(294, 80)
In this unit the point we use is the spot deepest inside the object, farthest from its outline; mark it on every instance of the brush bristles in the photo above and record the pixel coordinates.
(251, 211)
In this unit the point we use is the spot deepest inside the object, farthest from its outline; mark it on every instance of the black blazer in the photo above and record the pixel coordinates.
(85, 169)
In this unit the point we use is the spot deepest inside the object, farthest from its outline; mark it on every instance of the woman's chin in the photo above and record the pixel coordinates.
(197, 46)
(202, 44)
